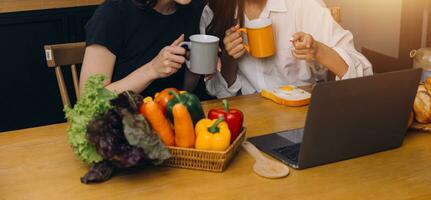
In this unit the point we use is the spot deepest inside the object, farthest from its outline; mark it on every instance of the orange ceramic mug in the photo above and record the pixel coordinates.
(260, 38)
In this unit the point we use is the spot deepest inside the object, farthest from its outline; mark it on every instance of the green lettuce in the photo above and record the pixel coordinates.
(95, 101)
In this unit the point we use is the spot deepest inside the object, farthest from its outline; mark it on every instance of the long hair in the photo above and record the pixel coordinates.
(227, 13)
(145, 3)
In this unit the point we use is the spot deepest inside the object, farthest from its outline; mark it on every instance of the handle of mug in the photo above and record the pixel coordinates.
(413, 53)
(189, 47)
(246, 46)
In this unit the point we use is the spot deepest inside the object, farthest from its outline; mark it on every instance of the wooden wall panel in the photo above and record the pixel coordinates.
(429, 25)
(411, 29)
(410, 38)
(7, 6)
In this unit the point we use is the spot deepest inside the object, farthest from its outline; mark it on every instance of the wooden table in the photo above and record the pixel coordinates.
(37, 163)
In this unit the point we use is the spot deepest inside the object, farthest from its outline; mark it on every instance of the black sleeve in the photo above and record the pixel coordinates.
(106, 28)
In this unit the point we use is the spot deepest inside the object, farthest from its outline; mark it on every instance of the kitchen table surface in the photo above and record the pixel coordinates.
(38, 163)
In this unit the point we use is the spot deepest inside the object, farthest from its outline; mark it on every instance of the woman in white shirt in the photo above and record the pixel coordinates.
(308, 40)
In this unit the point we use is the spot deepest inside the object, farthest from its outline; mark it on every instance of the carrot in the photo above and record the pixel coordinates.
(159, 122)
(184, 130)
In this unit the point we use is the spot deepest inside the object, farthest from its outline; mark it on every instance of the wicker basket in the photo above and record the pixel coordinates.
(215, 161)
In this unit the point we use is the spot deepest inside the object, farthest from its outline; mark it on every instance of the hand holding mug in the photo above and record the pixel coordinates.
(306, 48)
(169, 60)
(233, 43)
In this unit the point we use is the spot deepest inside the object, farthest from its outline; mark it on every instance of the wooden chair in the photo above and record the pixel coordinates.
(62, 55)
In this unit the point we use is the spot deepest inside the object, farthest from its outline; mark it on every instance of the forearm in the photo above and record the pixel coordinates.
(137, 81)
(330, 59)
(229, 68)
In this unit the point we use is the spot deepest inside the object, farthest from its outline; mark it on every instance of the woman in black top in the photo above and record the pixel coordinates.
(135, 43)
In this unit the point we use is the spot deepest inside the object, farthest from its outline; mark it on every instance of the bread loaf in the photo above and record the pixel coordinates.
(422, 105)
(428, 85)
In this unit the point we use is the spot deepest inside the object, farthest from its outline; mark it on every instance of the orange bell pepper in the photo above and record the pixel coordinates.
(162, 98)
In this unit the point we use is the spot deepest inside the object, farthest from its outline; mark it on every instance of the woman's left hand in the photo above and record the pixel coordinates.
(306, 48)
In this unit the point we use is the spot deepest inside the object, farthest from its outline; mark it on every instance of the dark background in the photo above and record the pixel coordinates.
(30, 95)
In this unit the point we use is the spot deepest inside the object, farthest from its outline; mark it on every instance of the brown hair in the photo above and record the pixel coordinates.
(224, 16)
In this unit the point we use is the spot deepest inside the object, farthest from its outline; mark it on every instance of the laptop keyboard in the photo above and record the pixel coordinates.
(291, 152)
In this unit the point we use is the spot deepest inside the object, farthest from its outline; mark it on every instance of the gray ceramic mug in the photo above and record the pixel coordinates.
(203, 53)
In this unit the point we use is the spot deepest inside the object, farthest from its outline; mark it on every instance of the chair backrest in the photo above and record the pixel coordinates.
(62, 55)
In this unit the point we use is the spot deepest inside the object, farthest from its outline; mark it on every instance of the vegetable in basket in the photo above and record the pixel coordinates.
(212, 134)
(123, 138)
(233, 117)
(184, 130)
(94, 101)
(155, 116)
(190, 101)
(162, 98)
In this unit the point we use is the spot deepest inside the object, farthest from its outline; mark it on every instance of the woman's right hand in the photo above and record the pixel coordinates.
(169, 60)
(233, 43)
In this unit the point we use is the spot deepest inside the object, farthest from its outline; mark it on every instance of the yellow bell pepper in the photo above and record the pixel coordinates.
(212, 134)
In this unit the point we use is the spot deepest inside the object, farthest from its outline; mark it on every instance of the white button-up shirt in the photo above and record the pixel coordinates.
(289, 17)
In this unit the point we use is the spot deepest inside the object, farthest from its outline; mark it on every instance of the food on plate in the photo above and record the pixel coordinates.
(154, 114)
(233, 117)
(184, 130)
(422, 106)
(94, 101)
(212, 134)
(190, 101)
(288, 95)
(162, 98)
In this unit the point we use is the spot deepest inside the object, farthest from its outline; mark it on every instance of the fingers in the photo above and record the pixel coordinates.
(177, 50)
(232, 30)
(178, 41)
(218, 67)
(238, 51)
(229, 39)
(302, 40)
(308, 41)
(303, 55)
(304, 51)
(235, 43)
(169, 65)
(208, 77)
(177, 59)
(231, 35)
(297, 37)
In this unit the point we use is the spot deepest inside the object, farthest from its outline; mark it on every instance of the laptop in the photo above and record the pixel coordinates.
(348, 119)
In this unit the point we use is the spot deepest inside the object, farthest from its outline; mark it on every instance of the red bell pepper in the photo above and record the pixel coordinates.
(233, 117)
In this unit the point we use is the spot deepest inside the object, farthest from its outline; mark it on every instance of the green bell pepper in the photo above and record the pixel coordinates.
(190, 101)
